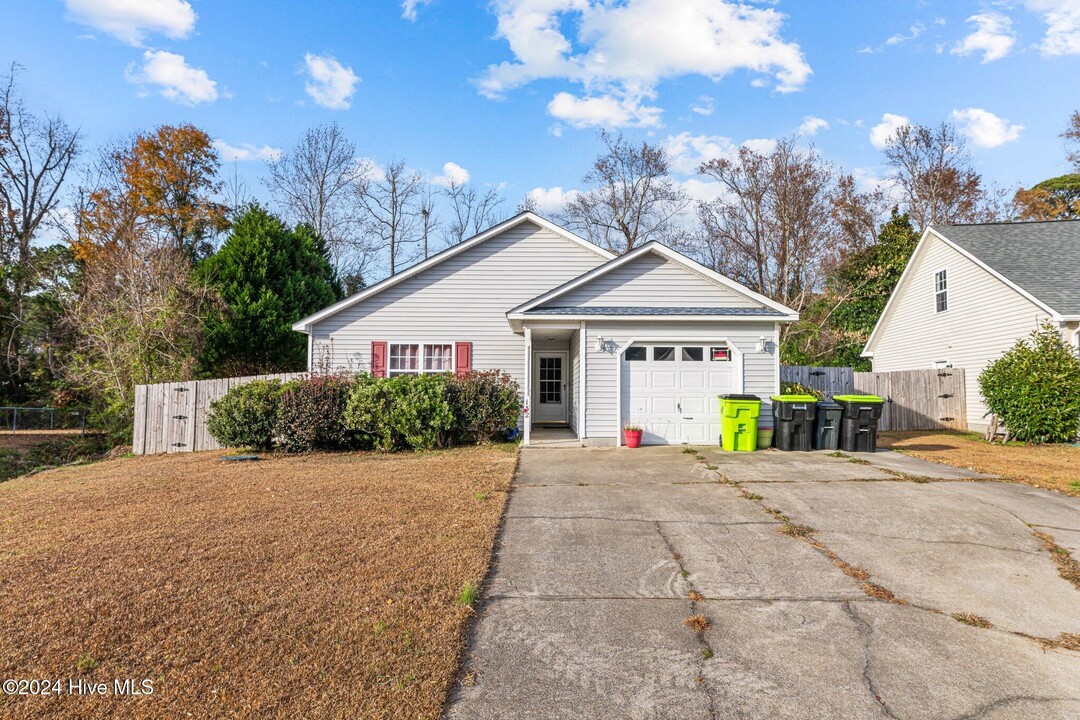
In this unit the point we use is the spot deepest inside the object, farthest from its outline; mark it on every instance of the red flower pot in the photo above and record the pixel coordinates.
(633, 438)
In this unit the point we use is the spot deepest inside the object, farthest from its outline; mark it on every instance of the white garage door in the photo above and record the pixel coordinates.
(670, 390)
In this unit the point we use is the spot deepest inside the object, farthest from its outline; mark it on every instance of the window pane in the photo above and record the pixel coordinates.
(719, 354)
(663, 354)
(942, 302)
(693, 354)
(405, 357)
(635, 354)
(438, 358)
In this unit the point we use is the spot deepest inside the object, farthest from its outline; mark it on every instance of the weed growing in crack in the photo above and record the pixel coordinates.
(695, 596)
(880, 592)
(1068, 568)
(689, 451)
(858, 461)
(838, 454)
(795, 530)
(751, 496)
(685, 573)
(698, 623)
(706, 653)
(973, 620)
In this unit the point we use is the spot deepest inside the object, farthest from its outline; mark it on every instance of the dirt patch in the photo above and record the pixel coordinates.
(316, 586)
(1045, 466)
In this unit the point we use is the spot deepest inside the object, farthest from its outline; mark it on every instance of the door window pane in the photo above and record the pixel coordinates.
(550, 380)
(663, 354)
(635, 354)
(693, 354)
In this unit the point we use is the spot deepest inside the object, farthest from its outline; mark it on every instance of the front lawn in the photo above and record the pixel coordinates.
(305, 586)
(1048, 466)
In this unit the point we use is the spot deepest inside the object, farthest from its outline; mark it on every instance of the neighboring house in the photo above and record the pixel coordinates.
(970, 292)
(595, 340)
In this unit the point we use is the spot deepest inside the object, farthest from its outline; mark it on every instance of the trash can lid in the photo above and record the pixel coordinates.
(740, 397)
(828, 404)
(858, 398)
(794, 398)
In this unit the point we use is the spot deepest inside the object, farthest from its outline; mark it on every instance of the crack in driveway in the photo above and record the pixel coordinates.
(865, 631)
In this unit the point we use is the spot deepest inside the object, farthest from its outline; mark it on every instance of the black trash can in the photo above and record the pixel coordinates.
(793, 421)
(827, 425)
(858, 423)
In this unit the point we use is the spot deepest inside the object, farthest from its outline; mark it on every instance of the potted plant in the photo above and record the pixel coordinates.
(632, 434)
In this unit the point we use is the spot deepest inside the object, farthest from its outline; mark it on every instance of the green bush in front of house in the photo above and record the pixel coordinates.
(247, 415)
(1034, 388)
(311, 415)
(408, 412)
(484, 405)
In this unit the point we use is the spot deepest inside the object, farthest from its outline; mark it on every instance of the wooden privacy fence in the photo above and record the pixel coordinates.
(171, 417)
(932, 399)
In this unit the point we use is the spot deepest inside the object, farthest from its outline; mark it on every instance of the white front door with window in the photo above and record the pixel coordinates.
(549, 387)
(670, 390)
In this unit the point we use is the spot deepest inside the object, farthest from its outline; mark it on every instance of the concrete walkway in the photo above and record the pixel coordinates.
(606, 552)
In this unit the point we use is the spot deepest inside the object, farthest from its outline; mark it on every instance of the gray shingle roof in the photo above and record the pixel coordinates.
(721, 311)
(1043, 258)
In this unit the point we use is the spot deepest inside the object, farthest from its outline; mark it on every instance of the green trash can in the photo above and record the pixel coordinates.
(858, 421)
(738, 422)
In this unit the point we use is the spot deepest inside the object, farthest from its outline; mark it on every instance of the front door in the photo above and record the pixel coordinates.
(549, 387)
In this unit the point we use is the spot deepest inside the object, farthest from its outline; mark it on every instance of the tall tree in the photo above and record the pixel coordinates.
(630, 199)
(319, 183)
(36, 154)
(267, 277)
(1054, 199)
(389, 199)
(775, 227)
(471, 210)
(933, 171)
(1072, 140)
(428, 218)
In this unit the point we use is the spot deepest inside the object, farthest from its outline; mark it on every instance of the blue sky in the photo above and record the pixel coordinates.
(423, 81)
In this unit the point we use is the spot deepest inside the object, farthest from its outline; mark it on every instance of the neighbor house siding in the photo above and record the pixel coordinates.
(601, 402)
(984, 319)
(653, 281)
(465, 297)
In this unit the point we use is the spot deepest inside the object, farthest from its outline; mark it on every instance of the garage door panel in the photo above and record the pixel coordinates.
(675, 401)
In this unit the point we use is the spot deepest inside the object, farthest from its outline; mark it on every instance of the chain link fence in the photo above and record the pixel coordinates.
(42, 419)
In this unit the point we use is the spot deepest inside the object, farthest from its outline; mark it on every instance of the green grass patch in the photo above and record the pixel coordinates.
(468, 595)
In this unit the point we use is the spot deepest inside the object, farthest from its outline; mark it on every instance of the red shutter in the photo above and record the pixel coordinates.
(378, 359)
(462, 357)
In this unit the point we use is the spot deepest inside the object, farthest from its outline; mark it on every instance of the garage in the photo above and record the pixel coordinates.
(670, 389)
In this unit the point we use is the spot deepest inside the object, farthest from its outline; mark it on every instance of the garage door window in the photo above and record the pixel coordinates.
(693, 354)
(635, 354)
(663, 354)
(720, 354)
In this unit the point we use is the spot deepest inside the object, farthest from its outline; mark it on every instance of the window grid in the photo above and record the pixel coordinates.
(550, 379)
(941, 291)
(438, 358)
(405, 358)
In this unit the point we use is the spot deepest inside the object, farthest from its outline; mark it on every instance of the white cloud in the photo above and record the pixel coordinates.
(331, 84)
(1062, 18)
(704, 105)
(913, 32)
(702, 190)
(984, 128)
(812, 125)
(993, 37)
(603, 111)
(686, 152)
(890, 123)
(551, 200)
(133, 20)
(245, 152)
(619, 65)
(409, 8)
(452, 172)
(174, 78)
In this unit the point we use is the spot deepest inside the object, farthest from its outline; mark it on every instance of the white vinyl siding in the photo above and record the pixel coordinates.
(464, 298)
(651, 280)
(985, 318)
(601, 412)
(574, 382)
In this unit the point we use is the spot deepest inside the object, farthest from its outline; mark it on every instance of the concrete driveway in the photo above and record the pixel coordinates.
(791, 557)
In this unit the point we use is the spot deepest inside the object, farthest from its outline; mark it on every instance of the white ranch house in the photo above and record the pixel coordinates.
(596, 341)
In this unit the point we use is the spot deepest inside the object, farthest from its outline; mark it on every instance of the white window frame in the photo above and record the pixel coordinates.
(421, 358)
(941, 290)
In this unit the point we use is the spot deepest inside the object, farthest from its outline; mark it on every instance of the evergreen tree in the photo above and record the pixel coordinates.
(267, 277)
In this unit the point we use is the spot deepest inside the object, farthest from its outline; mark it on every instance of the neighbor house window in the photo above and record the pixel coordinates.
(941, 291)
(416, 359)
(663, 354)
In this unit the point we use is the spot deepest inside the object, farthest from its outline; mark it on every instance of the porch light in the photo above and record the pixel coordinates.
(601, 344)
(762, 344)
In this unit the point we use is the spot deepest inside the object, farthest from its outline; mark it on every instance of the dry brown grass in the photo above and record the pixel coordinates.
(1045, 466)
(1068, 568)
(319, 586)
(698, 623)
(26, 438)
(973, 620)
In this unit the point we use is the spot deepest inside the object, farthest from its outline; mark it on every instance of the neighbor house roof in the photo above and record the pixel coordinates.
(523, 217)
(1043, 258)
(611, 310)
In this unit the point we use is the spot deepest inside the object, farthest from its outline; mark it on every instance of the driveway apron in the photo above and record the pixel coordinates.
(606, 554)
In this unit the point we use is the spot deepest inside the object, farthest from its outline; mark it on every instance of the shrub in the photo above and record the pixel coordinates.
(311, 414)
(405, 412)
(484, 404)
(794, 388)
(1034, 388)
(246, 415)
